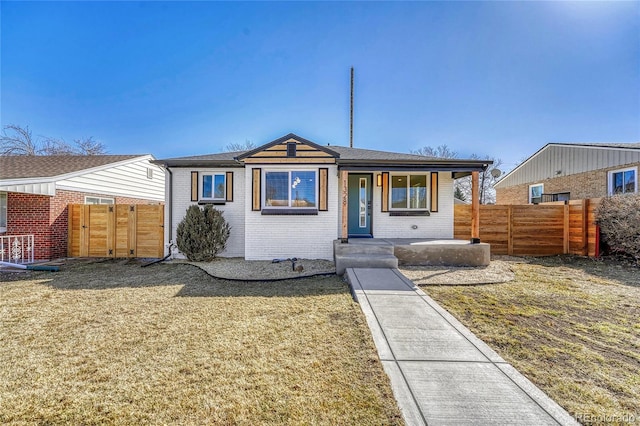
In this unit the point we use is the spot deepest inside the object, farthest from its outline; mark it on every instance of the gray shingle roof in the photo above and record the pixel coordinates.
(345, 156)
(29, 166)
(348, 153)
(223, 156)
(632, 145)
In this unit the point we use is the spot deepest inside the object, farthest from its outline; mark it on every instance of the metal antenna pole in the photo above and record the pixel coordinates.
(351, 116)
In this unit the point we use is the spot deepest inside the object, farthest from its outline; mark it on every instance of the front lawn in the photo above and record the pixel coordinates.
(571, 325)
(113, 343)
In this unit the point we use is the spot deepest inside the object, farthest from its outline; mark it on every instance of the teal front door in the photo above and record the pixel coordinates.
(360, 205)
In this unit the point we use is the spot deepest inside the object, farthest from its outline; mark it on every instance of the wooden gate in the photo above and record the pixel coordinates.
(116, 230)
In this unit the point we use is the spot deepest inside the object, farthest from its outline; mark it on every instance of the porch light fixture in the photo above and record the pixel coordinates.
(379, 179)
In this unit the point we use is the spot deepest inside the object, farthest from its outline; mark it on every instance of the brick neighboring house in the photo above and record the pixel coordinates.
(572, 171)
(35, 192)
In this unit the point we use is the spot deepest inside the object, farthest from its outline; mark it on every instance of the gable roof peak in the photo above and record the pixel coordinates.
(284, 139)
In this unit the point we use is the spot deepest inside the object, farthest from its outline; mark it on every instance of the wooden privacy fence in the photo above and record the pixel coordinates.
(116, 230)
(533, 230)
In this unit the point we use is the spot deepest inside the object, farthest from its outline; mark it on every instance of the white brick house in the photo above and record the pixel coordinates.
(292, 197)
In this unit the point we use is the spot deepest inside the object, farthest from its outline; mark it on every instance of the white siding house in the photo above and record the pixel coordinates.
(131, 176)
(287, 197)
(277, 236)
(35, 192)
(133, 179)
(234, 212)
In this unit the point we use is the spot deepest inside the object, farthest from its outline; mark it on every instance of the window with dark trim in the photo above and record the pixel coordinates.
(408, 192)
(290, 189)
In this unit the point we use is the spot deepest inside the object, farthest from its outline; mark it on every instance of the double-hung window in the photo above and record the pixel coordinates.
(290, 189)
(408, 192)
(535, 193)
(624, 181)
(98, 200)
(213, 187)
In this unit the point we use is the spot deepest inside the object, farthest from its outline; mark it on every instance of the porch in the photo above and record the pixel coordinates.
(391, 252)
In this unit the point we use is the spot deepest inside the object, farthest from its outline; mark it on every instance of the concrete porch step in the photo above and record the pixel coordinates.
(363, 247)
(359, 260)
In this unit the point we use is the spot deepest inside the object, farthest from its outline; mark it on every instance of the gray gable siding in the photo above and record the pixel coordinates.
(563, 160)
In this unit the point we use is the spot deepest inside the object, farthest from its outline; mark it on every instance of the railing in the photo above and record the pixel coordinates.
(16, 248)
(559, 196)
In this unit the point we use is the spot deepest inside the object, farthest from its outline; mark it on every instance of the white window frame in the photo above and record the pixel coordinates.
(408, 176)
(541, 185)
(289, 171)
(4, 207)
(627, 169)
(101, 200)
(213, 180)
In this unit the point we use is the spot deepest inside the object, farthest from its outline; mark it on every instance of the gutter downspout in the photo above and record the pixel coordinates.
(170, 203)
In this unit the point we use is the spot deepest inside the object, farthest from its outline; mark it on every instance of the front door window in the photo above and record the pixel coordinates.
(363, 203)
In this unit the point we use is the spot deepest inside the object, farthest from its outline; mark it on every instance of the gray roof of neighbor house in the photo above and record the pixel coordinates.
(223, 159)
(35, 166)
(346, 157)
(628, 145)
(562, 159)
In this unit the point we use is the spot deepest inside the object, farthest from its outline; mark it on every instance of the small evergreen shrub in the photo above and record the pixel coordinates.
(619, 221)
(202, 234)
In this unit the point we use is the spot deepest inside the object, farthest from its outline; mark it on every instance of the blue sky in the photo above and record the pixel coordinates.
(187, 78)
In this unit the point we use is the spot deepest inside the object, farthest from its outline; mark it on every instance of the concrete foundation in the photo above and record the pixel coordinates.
(441, 252)
(385, 253)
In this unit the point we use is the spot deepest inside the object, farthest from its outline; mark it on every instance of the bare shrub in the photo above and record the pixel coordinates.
(202, 234)
(619, 221)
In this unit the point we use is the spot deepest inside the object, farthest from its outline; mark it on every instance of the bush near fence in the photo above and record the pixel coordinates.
(534, 230)
(619, 221)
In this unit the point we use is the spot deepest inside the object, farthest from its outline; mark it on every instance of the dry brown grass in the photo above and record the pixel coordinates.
(111, 343)
(571, 325)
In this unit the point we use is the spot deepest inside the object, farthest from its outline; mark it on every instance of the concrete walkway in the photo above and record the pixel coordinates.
(442, 374)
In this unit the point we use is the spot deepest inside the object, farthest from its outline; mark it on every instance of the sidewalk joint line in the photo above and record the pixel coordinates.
(384, 335)
(413, 292)
(455, 361)
(490, 361)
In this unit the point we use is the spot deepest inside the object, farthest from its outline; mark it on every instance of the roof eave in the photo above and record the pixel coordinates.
(471, 165)
(198, 163)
